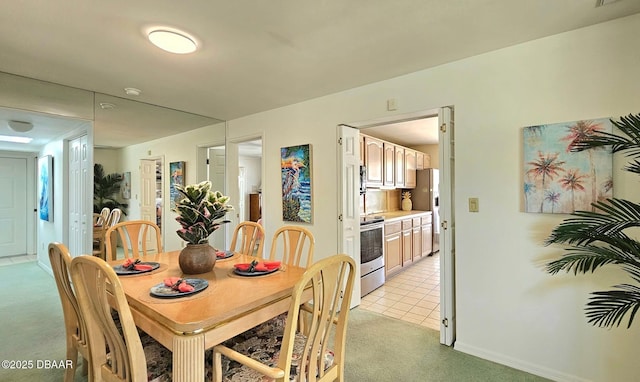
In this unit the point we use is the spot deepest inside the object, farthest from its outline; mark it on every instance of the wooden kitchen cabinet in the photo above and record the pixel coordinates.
(392, 248)
(423, 160)
(389, 164)
(410, 168)
(427, 238)
(374, 159)
(400, 170)
(407, 242)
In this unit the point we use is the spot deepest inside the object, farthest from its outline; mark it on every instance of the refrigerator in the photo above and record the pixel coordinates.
(426, 197)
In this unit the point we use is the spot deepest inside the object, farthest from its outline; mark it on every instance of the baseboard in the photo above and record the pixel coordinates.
(517, 363)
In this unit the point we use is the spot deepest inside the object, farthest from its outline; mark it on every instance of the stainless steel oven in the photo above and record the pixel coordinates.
(371, 254)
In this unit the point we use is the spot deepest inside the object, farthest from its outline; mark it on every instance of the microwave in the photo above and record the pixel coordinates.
(363, 180)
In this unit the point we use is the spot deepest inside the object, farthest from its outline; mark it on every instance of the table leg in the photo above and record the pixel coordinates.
(188, 358)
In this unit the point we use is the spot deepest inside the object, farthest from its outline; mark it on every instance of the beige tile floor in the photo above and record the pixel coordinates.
(411, 295)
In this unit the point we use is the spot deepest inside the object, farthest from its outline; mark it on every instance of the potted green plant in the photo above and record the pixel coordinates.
(604, 236)
(200, 213)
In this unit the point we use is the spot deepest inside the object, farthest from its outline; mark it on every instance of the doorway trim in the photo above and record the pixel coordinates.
(447, 274)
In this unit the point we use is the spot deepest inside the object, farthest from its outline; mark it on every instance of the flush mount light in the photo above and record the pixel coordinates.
(8, 138)
(174, 42)
(20, 126)
(107, 105)
(132, 91)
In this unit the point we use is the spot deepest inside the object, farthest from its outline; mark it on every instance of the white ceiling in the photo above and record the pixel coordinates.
(260, 55)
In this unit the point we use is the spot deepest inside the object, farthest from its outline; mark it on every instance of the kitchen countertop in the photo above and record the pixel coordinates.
(399, 215)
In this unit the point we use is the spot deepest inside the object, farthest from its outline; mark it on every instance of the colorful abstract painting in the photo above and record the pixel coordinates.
(295, 168)
(557, 180)
(176, 176)
(45, 188)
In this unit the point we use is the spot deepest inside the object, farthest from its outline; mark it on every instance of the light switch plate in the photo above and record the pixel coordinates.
(474, 205)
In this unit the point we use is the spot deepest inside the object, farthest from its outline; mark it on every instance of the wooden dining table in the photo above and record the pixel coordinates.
(230, 305)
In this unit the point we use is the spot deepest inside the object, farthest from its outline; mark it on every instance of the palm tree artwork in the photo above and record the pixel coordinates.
(606, 236)
(573, 181)
(559, 179)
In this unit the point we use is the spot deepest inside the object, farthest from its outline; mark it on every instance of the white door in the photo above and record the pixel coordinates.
(148, 209)
(447, 227)
(79, 208)
(216, 166)
(13, 206)
(349, 207)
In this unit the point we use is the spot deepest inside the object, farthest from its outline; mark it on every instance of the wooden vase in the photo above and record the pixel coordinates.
(197, 258)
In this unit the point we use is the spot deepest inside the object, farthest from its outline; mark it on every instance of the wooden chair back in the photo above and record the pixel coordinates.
(331, 281)
(99, 291)
(114, 217)
(291, 244)
(246, 237)
(138, 237)
(75, 326)
(103, 216)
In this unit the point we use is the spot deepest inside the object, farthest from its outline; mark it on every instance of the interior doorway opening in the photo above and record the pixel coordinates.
(444, 155)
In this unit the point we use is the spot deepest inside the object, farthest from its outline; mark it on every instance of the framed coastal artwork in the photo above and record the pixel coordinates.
(126, 185)
(176, 176)
(45, 188)
(295, 170)
(558, 180)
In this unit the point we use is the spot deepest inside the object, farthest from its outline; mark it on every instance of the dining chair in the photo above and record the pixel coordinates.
(75, 326)
(102, 300)
(104, 215)
(138, 237)
(99, 237)
(289, 354)
(290, 244)
(245, 236)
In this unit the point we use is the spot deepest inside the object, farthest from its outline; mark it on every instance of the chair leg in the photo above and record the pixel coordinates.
(72, 355)
(217, 367)
(85, 367)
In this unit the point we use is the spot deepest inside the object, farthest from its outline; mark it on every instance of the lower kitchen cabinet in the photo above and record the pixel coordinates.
(392, 248)
(407, 241)
(427, 235)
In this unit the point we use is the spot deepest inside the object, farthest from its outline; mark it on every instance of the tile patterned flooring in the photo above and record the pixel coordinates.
(411, 295)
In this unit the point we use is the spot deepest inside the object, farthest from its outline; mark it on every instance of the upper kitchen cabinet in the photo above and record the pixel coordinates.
(389, 164)
(400, 167)
(422, 161)
(410, 166)
(374, 160)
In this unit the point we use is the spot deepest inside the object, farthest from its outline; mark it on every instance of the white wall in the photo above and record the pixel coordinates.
(53, 231)
(181, 147)
(508, 309)
(109, 159)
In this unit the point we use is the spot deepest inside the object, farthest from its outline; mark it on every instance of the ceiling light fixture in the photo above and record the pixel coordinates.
(107, 105)
(174, 42)
(20, 126)
(8, 138)
(132, 91)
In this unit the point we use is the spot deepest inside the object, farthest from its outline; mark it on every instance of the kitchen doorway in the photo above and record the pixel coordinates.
(444, 160)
